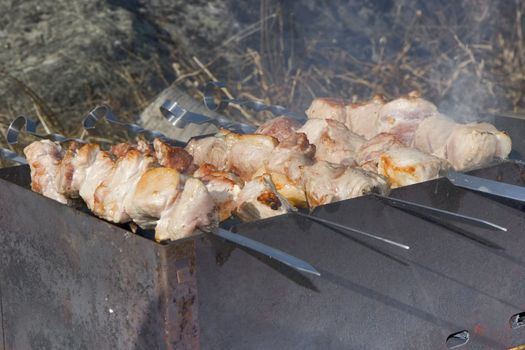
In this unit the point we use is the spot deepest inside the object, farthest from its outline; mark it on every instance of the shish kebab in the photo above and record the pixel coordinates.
(217, 186)
(291, 148)
(47, 185)
(408, 121)
(296, 173)
(384, 154)
(106, 185)
(292, 156)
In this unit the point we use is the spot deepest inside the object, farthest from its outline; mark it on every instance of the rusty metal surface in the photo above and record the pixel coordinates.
(72, 281)
(2, 338)
(370, 296)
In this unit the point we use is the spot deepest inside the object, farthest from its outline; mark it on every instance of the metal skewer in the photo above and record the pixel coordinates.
(351, 229)
(21, 124)
(181, 117)
(271, 252)
(438, 213)
(104, 112)
(495, 188)
(7, 154)
(216, 100)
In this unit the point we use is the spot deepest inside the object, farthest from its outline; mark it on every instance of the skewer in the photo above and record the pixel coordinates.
(21, 124)
(351, 229)
(7, 154)
(213, 92)
(439, 213)
(495, 188)
(104, 112)
(271, 252)
(180, 117)
(216, 100)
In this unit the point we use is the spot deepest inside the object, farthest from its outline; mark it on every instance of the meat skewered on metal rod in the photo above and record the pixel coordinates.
(174, 203)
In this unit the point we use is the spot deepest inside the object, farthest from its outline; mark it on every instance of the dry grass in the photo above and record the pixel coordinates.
(466, 56)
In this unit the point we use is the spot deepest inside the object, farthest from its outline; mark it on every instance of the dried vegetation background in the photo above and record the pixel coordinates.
(60, 58)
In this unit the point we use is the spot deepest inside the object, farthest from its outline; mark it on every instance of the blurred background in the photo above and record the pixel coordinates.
(60, 58)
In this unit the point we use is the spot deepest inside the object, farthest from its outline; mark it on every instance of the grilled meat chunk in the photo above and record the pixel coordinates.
(247, 153)
(327, 108)
(210, 150)
(362, 117)
(194, 209)
(156, 191)
(95, 174)
(333, 141)
(402, 116)
(464, 146)
(166, 155)
(401, 165)
(224, 187)
(117, 188)
(44, 159)
(66, 171)
(284, 165)
(120, 149)
(173, 157)
(327, 182)
(227, 151)
(259, 199)
(290, 155)
(280, 127)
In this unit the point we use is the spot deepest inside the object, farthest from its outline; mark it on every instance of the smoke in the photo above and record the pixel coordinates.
(465, 56)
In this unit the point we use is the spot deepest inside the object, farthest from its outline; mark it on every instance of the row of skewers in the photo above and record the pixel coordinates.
(283, 165)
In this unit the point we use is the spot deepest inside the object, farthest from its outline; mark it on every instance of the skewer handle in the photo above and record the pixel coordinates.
(351, 229)
(438, 213)
(271, 252)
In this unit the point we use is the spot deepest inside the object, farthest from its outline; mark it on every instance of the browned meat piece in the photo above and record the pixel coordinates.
(173, 157)
(401, 165)
(66, 171)
(326, 183)
(402, 116)
(281, 127)
(95, 173)
(333, 141)
(44, 159)
(145, 147)
(370, 152)
(327, 108)
(210, 150)
(113, 194)
(224, 187)
(290, 155)
(284, 165)
(120, 149)
(167, 155)
(362, 117)
(463, 145)
(247, 153)
(156, 191)
(193, 210)
(259, 199)
(226, 151)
